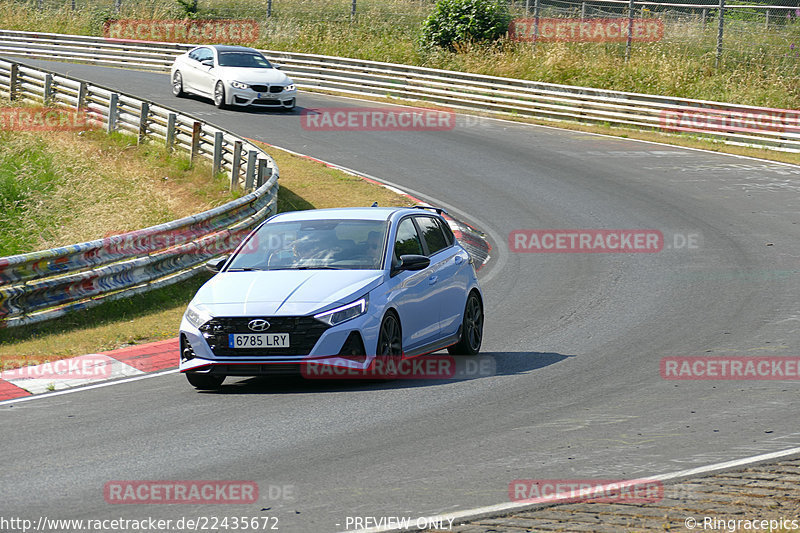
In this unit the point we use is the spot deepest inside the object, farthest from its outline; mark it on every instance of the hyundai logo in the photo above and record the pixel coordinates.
(259, 324)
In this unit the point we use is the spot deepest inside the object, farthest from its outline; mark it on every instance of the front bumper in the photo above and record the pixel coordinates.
(200, 351)
(249, 97)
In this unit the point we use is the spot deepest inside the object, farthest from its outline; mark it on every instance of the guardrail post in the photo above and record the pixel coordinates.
(250, 172)
(48, 89)
(261, 170)
(81, 96)
(630, 31)
(196, 126)
(269, 8)
(583, 10)
(13, 81)
(217, 162)
(144, 117)
(171, 118)
(719, 31)
(353, 11)
(236, 164)
(113, 105)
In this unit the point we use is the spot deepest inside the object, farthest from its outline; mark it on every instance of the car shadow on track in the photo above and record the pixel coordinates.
(279, 111)
(482, 366)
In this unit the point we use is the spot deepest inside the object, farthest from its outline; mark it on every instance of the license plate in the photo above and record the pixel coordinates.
(258, 340)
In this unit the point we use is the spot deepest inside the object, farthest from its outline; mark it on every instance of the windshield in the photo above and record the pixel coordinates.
(315, 244)
(243, 59)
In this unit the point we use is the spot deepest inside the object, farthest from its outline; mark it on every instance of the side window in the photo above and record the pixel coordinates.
(407, 240)
(448, 233)
(195, 54)
(201, 54)
(432, 233)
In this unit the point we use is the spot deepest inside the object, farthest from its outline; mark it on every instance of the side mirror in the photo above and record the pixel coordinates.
(215, 265)
(208, 62)
(277, 66)
(413, 262)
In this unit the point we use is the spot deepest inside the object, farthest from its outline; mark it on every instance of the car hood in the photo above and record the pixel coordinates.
(283, 292)
(253, 75)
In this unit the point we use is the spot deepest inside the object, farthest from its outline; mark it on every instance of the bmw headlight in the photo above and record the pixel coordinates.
(289, 87)
(239, 85)
(344, 313)
(197, 316)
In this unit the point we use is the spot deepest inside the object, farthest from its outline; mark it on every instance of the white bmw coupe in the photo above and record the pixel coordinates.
(232, 76)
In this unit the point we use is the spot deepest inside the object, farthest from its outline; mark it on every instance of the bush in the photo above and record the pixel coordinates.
(465, 21)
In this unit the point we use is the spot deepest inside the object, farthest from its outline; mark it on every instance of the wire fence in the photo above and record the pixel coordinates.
(738, 30)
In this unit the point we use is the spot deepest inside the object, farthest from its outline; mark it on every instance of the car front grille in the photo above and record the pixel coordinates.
(274, 89)
(266, 101)
(304, 332)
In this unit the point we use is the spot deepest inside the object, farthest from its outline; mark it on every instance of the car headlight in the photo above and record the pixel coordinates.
(239, 85)
(289, 87)
(197, 316)
(344, 313)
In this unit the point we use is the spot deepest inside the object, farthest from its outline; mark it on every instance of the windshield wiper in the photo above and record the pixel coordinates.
(243, 269)
(321, 267)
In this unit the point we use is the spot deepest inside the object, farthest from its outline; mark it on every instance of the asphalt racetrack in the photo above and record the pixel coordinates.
(577, 340)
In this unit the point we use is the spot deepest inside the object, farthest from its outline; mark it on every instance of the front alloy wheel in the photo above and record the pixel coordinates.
(471, 328)
(219, 95)
(177, 84)
(390, 347)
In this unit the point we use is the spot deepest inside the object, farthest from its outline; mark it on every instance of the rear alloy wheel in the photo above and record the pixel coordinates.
(390, 347)
(219, 95)
(471, 328)
(177, 84)
(205, 381)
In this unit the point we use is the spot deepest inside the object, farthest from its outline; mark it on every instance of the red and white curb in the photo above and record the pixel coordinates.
(88, 369)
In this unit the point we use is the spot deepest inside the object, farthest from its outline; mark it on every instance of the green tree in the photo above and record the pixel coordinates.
(456, 21)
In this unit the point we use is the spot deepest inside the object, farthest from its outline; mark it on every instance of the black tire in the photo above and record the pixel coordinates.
(205, 381)
(219, 95)
(471, 328)
(177, 84)
(390, 346)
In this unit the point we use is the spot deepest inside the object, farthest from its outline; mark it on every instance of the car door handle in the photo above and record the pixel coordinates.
(459, 259)
(432, 280)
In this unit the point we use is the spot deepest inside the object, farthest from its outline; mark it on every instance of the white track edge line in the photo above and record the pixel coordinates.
(479, 512)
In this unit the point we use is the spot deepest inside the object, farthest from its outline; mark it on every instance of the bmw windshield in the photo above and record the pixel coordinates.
(314, 244)
(243, 59)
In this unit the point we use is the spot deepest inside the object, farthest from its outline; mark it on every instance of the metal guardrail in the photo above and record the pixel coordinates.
(46, 284)
(777, 129)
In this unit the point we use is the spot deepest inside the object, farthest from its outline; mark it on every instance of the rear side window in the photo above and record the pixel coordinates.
(433, 234)
(407, 241)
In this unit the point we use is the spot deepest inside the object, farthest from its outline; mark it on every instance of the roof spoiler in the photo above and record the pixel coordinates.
(438, 210)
